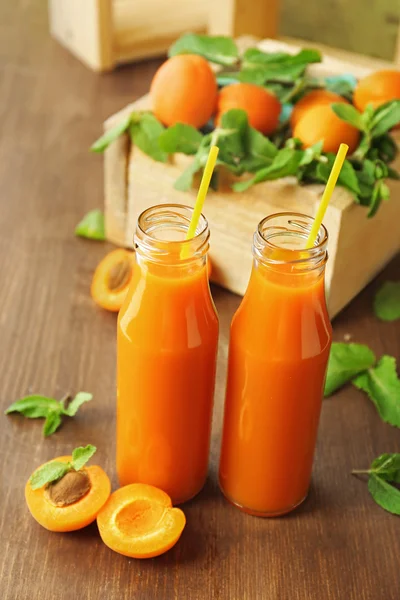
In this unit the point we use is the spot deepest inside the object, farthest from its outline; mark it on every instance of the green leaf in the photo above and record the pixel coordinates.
(347, 177)
(304, 57)
(366, 116)
(386, 147)
(383, 388)
(345, 362)
(384, 494)
(348, 113)
(52, 423)
(111, 135)
(180, 138)
(385, 118)
(145, 133)
(387, 466)
(285, 163)
(47, 473)
(76, 403)
(379, 193)
(311, 153)
(387, 301)
(185, 180)
(34, 406)
(81, 455)
(261, 75)
(92, 226)
(217, 49)
(258, 145)
(366, 179)
(381, 169)
(231, 136)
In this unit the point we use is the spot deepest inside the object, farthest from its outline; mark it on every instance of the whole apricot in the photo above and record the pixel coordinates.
(376, 89)
(262, 107)
(314, 98)
(321, 123)
(184, 90)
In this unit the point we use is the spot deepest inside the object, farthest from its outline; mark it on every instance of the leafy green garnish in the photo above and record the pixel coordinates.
(92, 226)
(54, 470)
(76, 403)
(52, 423)
(345, 362)
(348, 113)
(387, 466)
(111, 135)
(285, 163)
(387, 301)
(38, 406)
(383, 387)
(217, 49)
(50, 472)
(385, 117)
(305, 56)
(180, 138)
(145, 130)
(81, 455)
(384, 470)
(347, 176)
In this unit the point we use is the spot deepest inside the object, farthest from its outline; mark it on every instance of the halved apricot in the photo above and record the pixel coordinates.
(111, 279)
(138, 521)
(46, 508)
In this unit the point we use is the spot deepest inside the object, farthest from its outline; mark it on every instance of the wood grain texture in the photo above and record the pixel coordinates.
(86, 29)
(338, 546)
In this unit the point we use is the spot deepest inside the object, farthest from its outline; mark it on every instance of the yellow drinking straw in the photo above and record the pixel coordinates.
(202, 193)
(326, 196)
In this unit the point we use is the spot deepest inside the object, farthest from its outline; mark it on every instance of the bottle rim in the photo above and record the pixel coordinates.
(288, 226)
(176, 218)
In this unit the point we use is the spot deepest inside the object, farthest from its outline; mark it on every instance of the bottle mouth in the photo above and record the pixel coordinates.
(281, 239)
(161, 234)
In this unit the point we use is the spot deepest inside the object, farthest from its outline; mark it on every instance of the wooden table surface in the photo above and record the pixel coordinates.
(339, 545)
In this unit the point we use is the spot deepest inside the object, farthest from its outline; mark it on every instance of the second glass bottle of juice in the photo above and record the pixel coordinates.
(278, 354)
(167, 346)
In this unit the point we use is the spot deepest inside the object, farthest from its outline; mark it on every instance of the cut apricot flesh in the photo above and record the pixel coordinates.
(111, 279)
(138, 520)
(73, 516)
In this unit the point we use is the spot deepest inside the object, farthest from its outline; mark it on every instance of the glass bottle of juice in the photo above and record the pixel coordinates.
(278, 354)
(166, 357)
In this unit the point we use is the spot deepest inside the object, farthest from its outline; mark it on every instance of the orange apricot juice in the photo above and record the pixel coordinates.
(167, 344)
(278, 354)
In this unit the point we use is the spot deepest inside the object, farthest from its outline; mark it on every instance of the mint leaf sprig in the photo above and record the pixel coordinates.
(217, 49)
(37, 406)
(92, 226)
(144, 130)
(55, 470)
(345, 362)
(356, 363)
(382, 385)
(382, 474)
(387, 301)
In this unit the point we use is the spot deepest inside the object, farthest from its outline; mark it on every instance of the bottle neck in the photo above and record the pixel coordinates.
(161, 244)
(280, 254)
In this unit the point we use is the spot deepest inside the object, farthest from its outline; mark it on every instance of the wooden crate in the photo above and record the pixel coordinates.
(104, 33)
(358, 247)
